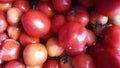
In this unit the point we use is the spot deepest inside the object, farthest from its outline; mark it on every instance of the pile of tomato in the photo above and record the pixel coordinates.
(59, 33)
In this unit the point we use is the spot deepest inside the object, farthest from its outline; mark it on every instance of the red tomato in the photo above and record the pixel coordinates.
(36, 23)
(3, 22)
(82, 61)
(57, 21)
(7, 1)
(111, 37)
(3, 36)
(51, 63)
(25, 39)
(108, 7)
(78, 14)
(86, 3)
(15, 64)
(46, 7)
(10, 50)
(22, 5)
(105, 58)
(91, 38)
(73, 37)
(61, 5)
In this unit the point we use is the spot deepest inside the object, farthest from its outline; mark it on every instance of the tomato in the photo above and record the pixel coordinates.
(55, 24)
(35, 54)
(108, 7)
(14, 32)
(61, 5)
(111, 37)
(73, 37)
(3, 36)
(78, 14)
(82, 61)
(53, 47)
(96, 17)
(36, 23)
(3, 22)
(46, 7)
(25, 39)
(86, 3)
(22, 5)
(15, 64)
(5, 1)
(105, 58)
(5, 6)
(51, 63)
(91, 38)
(10, 50)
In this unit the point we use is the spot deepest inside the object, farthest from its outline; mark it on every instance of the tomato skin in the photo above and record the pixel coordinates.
(83, 61)
(111, 37)
(25, 39)
(10, 50)
(22, 5)
(15, 64)
(78, 14)
(3, 22)
(61, 5)
(73, 37)
(86, 3)
(3, 36)
(113, 7)
(46, 7)
(34, 54)
(35, 23)
(5, 1)
(55, 24)
(51, 63)
(105, 58)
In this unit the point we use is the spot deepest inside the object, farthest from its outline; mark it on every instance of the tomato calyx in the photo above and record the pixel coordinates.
(65, 59)
(74, 12)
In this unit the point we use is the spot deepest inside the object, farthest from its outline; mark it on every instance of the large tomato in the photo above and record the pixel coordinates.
(111, 37)
(105, 58)
(73, 37)
(108, 7)
(35, 23)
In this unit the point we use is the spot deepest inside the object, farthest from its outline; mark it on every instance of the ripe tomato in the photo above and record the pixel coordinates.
(78, 14)
(35, 23)
(10, 50)
(73, 37)
(111, 37)
(86, 3)
(51, 63)
(57, 21)
(105, 58)
(108, 7)
(46, 7)
(15, 64)
(22, 5)
(25, 39)
(61, 5)
(82, 61)
(3, 22)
